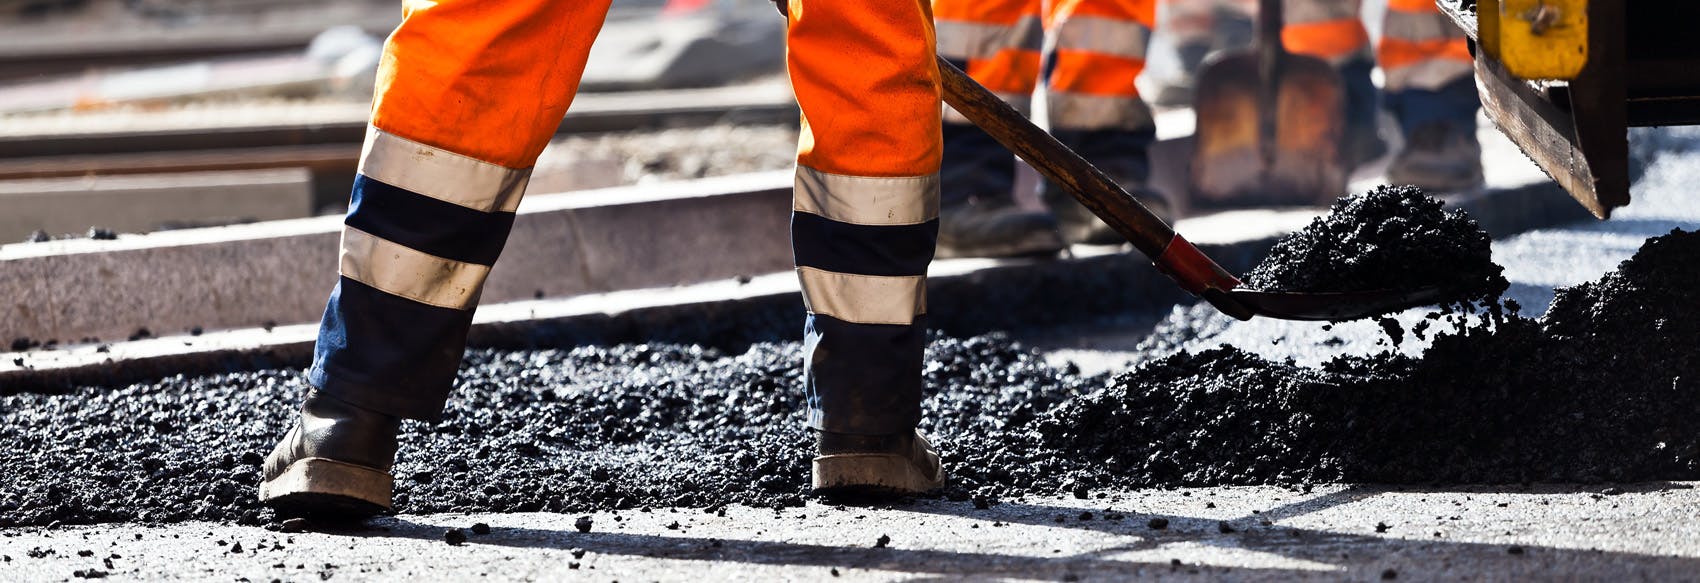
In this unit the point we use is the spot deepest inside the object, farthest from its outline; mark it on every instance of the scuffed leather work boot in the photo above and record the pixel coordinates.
(996, 227)
(898, 464)
(1439, 157)
(334, 463)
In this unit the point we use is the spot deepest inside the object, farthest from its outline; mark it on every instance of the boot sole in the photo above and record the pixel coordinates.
(326, 487)
(871, 474)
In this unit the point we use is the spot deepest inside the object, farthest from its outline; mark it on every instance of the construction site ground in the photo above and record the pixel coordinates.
(1355, 532)
(1647, 532)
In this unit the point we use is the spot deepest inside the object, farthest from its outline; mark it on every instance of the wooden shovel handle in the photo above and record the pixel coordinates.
(1172, 254)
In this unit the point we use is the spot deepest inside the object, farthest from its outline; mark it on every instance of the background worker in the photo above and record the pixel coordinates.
(470, 91)
(1095, 52)
(1096, 49)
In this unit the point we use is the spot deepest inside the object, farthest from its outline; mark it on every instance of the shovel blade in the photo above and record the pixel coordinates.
(1335, 306)
(1228, 167)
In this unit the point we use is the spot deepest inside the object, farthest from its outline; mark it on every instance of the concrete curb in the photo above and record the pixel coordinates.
(261, 274)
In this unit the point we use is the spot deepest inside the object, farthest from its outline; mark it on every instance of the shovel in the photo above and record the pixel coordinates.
(1172, 254)
(1269, 125)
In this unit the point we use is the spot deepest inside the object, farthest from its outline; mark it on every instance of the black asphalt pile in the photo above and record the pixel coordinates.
(1392, 237)
(1604, 388)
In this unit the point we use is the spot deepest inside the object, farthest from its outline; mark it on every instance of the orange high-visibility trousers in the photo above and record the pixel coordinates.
(1419, 48)
(1094, 50)
(470, 91)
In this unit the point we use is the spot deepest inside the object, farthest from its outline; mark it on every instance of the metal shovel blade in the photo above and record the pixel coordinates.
(1232, 166)
(1335, 306)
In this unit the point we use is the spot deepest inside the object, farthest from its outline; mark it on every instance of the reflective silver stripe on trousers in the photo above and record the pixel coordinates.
(1021, 103)
(399, 270)
(1122, 38)
(1431, 74)
(1079, 111)
(864, 299)
(866, 200)
(959, 39)
(1419, 26)
(441, 174)
(1308, 11)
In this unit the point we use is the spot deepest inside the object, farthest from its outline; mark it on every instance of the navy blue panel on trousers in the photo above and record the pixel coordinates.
(422, 223)
(888, 250)
(1122, 154)
(1361, 96)
(863, 378)
(388, 353)
(1455, 103)
(974, 164)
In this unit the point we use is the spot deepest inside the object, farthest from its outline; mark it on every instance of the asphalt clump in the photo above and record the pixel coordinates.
(1390, 238)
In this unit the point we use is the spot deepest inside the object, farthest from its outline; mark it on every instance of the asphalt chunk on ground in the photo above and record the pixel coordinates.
(1390, 238)
(1603, 388)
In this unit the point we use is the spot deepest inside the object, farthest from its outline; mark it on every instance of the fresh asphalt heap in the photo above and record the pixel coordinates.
(1603, 387)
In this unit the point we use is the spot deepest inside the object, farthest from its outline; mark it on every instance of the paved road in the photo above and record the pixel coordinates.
(1648, 532)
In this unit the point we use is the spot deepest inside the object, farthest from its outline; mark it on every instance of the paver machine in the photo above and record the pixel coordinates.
(1566, 79)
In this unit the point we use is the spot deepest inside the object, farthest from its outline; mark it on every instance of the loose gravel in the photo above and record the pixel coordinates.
(1602, 388)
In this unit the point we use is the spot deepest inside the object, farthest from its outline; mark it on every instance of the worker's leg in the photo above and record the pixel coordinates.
(1332, 30)
(1199, 28)
(997, 43)
(1096, 52)
(865, 215)
(1430, 89)
(468, 94)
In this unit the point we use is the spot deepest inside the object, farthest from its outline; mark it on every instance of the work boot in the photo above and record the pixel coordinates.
(897, 464)
(1441, 157)
(1080, 226)
(335, 462)
(996, 227)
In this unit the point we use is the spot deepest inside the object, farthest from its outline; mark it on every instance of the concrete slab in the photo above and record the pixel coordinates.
(150, 202)
(1333, 533)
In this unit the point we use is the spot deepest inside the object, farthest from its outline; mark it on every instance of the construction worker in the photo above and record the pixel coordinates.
(1096, 49)
(1424, 58)
(470, 91)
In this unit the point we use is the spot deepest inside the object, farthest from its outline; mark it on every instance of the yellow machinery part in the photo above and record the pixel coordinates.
(1536, 39)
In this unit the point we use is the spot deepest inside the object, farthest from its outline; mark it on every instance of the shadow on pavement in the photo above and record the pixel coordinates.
(1322, 553)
